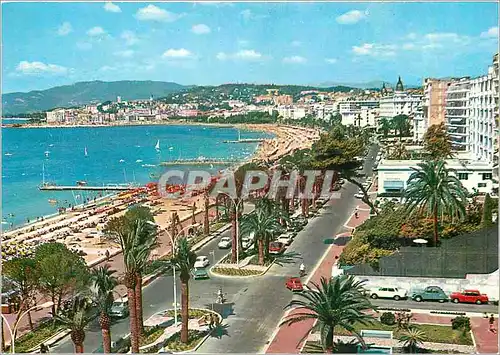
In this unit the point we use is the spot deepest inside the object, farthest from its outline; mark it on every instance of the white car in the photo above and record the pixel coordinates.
(359, 195)
(201, 262)
(286, 239)
(224, 243)
(388, 292)
(246, 242)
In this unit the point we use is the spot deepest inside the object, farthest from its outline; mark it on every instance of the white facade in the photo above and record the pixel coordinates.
(475, 176)
(481, 117)
(323, 111)
(457, 114)
(291, 112)
(359, 112)
(420, 124)
(400, 103)
(56, 116)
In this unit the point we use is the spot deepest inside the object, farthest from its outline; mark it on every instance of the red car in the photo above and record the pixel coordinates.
(469, 296)
(294, 284)
(276, 247)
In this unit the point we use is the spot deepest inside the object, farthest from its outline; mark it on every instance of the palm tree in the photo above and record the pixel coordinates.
(76, 317)
(206, 220)
(103, 284)
(184, 259)
(433, 191)
(263, 226)
(335, 303)
(412, 338)
(401, 124)
(385, 126)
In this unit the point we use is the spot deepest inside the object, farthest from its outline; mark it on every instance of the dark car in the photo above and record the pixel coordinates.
(430, 293)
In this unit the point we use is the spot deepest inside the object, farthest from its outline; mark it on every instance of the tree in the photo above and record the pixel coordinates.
(335, 303)
(103, 284)
(385, 126)
(335, 119)
(437, 142)
(76, 318)
(433, 191)
(401, 123)
(61, 272)
(263, 225)
(487, 218)
(335, 151)
(23, 274)
(206, 220)
(411, 338)
(184, 259)
(399, 152)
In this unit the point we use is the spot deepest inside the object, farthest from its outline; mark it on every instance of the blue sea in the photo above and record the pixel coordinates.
(115, 155)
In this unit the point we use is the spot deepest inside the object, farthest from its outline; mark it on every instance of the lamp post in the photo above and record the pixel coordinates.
(236, 206)
(172, 243)
(13, 332)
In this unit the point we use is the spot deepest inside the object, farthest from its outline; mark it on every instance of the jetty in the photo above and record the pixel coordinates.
(246, 140)
(199, 162)
(86, 188)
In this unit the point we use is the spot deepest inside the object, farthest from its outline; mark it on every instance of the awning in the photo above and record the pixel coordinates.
(394, 184)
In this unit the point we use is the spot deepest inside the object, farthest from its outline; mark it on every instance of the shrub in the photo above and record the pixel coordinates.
(461, 323)
(388, 318)
(487, 217)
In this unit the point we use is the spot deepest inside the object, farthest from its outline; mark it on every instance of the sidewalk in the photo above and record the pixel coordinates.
(115, 262)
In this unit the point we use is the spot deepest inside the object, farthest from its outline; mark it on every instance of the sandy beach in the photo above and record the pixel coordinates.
(81, 228)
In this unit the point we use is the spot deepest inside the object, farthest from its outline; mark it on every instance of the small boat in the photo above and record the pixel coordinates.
(8, 154)
(52, 201)
(154, 176)
(81, 183)
(148, 165)
(138, 161)
(47, 153)
(122, 161)
(85, 152)
(170, 148)
(51, 145)
(157, 146)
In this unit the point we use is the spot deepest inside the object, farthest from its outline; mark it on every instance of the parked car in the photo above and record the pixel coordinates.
(224, 243)
(246, 242)
(201, 262)
(359, 194)
(388, 292)
(200, 274)
(119, 308)
(286, 239)
(469, 296)
(430, 293)
(276, 247)
(294, 284)
(301, 220)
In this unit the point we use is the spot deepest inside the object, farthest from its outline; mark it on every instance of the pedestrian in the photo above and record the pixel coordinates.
(492, 323)
(356, 214)
(211, 321)
(44, 348)
(107, 255)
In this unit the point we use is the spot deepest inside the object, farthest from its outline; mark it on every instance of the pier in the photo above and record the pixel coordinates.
(86, 188)
(199, 162)
(246, 140)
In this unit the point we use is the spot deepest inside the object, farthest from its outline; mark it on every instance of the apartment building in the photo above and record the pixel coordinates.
(291, 112)
(433, 110)
(56, 116)
(457, 114)
(360, 113)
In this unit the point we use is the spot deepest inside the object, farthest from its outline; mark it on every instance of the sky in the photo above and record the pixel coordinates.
(51, 44)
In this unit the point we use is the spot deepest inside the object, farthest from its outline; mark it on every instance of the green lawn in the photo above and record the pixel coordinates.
(174, 344)
(31, 339)
(151, 335)
(435, 333)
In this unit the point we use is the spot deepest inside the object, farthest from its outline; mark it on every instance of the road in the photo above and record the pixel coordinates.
(255, 305)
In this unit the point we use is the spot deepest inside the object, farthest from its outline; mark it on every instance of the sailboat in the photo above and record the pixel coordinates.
(157, 146)
(46, 153)
(85, 150)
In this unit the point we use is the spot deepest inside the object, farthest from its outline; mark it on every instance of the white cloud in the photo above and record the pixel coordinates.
(246, 14)
(411, 35)
(177, 53)
(296, 43)
(64, 29)
(244, 54)
(222, 56)
(375, 50)
(214, 3)
(154, 13)
(125, 54)
(107, 68)
(409, 46)
(129, 37)
(248, 54)
(351, 17)
(96, 31)
(295, 59)
(37, 68)
(200, 29)
(110, 7)
(491, 33)
(331, 60)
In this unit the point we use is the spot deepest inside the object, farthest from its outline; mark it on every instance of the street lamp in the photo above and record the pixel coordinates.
(13, 332)
(172, 242)
(236, 206)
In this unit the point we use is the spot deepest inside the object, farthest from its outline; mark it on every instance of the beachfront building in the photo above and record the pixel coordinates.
(291, 112)
(475, 176)
(323, 111)
(360, 113)
(56, 116)
(433, 109)
(399, 103)
(457, 114)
